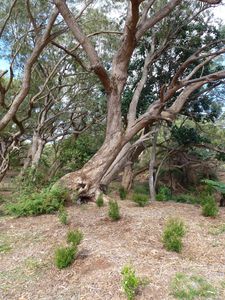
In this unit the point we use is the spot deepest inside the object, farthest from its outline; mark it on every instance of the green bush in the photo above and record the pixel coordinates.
(141, 199)
(141, 188)
(74, 237)
(100, 201)
(172, 235)
(164, 194)
(47, 201)
(130, 282)
(65, 256)
(187, 198)
(209, 207)
(123, 193)
(63, 216)
(114, 212)
(192, 287)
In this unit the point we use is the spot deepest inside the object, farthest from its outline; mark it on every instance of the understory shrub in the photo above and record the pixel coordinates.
(114, 212)
(187, 198)
(63, 216)
(141, 199)
(209, 207)
(47, 201)
(172, 235)
(100, 201)
(141, 188)
(192, 287)
(74, 237)
(164, 194)
(64, 256)
(123, 193)
(130, 282)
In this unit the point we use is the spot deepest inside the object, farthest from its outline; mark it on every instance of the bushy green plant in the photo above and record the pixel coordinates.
(130, 282)
(191, 287)
(74, 237)
(47, 201)
(114, 212)
(209, 207)
(187, 198)
(172, 235)
(63, 216)
(65, 256)
(164, 194)
(100, 201)
(141, 199)
(123, 193)
(141, 188)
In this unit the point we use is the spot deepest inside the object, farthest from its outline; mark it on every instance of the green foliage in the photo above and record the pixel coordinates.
(187, 135)
(114, 212)
(123, 193)
(63, 216)
(187, 198)
(141, 199)
(100, 201)
(186, 287)
(65, 256)
(216, 230)
(172, 235)
(164, 194)
(141, 188)
(47, 201)
(209, 207)
(32, 180)
(130, 282)
(219, 186)
(5, 247)
(74, 237)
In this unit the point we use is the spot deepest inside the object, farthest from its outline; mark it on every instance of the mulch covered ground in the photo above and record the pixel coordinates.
(27, 268)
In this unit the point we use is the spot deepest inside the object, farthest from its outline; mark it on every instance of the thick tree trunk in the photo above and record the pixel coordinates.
(128, 175)
(86, 182)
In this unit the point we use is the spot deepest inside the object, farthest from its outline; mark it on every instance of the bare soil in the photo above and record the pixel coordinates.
(27, 268)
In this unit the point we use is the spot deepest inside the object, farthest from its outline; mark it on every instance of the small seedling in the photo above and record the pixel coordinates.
(130, 282)
(65, 256)
(192, 287)
(114, 213)
(123, 193)
(63, 216)
(141, 199)
(74, 237)
(100, 201)
(172, 235)
(209, 207)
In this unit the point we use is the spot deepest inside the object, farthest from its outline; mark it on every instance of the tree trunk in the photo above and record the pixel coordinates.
(128, 176)
(152, 165)
(86, 182)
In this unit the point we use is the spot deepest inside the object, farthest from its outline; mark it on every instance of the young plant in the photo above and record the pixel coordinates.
(123, 193)
(192, 287)
(74, 237)
(164, 194)
(141, 199)
(172, 235)
(63, 215)
(114, 212)
(65, 256)
(130, 282)
(100, 201)
(209, 207)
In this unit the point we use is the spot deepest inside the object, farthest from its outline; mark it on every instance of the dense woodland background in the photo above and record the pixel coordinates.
(103, 101)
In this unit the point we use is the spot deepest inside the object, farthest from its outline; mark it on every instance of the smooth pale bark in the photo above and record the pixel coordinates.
(152, 165)
(128, 175)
